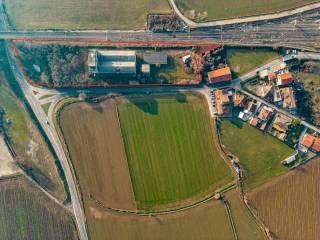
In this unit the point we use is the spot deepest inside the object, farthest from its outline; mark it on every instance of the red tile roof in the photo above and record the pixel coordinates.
(316, 145)
(308, 140)
(220, 75)
(285, 78)
(254, 121)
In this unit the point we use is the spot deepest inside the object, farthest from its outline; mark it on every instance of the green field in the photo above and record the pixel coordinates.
(243, 60)
(170, 149)
(208, 10)
(260, 154)
(82, 14)
(26, 213)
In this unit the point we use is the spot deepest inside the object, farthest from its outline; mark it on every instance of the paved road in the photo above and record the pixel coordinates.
(55, 141)
(236, 84)
(265, 17)
(50, 132)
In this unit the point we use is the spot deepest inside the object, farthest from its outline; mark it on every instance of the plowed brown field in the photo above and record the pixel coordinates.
(289, 205)
(93, 137)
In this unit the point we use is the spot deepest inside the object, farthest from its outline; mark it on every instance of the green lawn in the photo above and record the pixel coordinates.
(170, 149)
(46, 107)
(243, 61)
(208, 10)
(174, 72)
(260, 154)
(83, 14)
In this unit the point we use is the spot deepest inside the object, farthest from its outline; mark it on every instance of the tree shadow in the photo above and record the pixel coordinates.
(237, 122)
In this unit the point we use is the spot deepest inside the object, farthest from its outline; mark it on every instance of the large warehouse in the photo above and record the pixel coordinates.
(112, 62)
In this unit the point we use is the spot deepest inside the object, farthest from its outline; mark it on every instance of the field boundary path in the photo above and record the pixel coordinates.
(263, 17)
(229, 213)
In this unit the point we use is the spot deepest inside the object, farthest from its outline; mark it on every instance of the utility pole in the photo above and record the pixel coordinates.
(221, 39)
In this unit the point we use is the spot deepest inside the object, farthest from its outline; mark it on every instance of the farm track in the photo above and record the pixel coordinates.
(229, 213)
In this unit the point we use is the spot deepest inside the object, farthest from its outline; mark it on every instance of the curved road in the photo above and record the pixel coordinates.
(264, 17)
(55, 141)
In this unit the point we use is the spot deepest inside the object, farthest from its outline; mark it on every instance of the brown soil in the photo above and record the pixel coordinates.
(27, 213)
(208, 221)
(289, 205)
(93, 136)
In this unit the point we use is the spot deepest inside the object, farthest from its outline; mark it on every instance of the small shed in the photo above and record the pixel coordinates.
(145, 69)
(186, 59)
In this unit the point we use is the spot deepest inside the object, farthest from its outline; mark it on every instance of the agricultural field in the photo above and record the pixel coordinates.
(246, 227)
(81, 14)
(170, 149)
(260, 154)
(26, 213)
(210, 10)
(33, 155)
(289, 204)
(92, 134)
(208, 221)
(243, 60)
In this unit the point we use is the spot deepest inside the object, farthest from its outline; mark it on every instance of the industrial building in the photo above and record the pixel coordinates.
(155, 58)
(113, 62)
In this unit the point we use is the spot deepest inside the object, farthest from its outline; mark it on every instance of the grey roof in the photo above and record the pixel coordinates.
(155, 58)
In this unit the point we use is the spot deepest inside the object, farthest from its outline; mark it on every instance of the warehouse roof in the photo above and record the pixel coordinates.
(117, 53)
(155, 58)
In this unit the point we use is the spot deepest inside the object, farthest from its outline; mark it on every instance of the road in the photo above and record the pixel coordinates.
(236, 84)
(250, 19)
(50, 133)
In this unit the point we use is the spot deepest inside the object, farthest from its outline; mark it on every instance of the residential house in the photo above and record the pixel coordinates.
(289, 100)
(285, 79)
(222, 101)
(222, 75)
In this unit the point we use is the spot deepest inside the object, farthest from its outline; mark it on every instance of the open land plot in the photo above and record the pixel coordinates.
(209, 10)
(174, 71)
(82, 14)
(289, 204)
(246, 227)
(260, 154)
(26, 213)
(170, 149)
(32, 151)
(208, 221)
(93, 136)
(311, 84)
(242, 60)
(7, 164)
